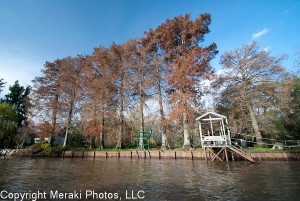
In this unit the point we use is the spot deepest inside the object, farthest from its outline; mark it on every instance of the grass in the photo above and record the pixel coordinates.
(248, 149)
(58, 149)
(127, 149)
(268, 150)
(108, 149)
(97, 149)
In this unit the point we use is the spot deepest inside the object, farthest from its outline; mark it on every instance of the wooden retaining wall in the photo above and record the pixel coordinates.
(190, 155)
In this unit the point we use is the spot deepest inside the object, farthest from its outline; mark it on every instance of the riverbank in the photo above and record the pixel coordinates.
(197, 154)
(170, 154)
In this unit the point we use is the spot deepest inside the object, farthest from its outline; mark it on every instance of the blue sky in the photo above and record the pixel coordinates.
(35, 31)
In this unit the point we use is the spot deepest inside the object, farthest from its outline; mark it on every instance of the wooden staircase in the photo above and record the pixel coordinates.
(241, 153)
(216, 155)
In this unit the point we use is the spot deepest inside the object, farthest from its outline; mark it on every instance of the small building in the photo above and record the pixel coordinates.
(215, 137)
(214, 130)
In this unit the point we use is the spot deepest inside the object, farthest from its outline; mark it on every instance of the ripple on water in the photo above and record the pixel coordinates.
(160, 179)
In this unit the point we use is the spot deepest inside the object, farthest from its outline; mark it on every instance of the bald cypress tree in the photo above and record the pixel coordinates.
(253, 74)
(188, 62)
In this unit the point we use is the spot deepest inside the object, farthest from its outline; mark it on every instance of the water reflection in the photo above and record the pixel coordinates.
(160, 179)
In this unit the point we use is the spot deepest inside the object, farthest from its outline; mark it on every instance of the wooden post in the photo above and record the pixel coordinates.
(226, 154)
(211, 127)
(224, 133)
(228, 132)
(200, 130)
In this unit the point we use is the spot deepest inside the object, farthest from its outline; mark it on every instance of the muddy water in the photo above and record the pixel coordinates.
(130, 179)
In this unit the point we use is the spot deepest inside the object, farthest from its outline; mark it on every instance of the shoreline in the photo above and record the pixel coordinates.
(158, 154)
(169, 154)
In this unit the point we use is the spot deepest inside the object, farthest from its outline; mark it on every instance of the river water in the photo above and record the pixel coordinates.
(132, 179)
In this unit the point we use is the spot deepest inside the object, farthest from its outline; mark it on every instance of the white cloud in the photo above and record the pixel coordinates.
(221, 71)
(260, 33)
(267, 49)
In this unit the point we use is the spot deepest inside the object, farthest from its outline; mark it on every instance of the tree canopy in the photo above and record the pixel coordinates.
(18, 96)
(188, 62)
(251, 77)
(8, 124)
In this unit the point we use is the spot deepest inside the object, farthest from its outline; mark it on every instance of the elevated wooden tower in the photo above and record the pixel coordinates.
(215, 137)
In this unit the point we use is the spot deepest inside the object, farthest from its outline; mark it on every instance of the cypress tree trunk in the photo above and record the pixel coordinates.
(54, 117)
(101, 134)
(141, 114)
(93, 138)
(121, 128)
(72, 99)
(164, 140)
(255, 125)
(186, 135)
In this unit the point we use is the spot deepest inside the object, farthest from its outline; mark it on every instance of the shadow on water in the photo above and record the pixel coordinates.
(159, 179)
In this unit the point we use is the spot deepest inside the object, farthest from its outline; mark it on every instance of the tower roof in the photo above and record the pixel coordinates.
(210, 115)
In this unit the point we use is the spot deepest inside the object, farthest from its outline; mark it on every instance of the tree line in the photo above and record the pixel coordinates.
(13, 116)
(103, 99)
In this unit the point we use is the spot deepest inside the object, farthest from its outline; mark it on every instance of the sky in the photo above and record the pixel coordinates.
(35, 31)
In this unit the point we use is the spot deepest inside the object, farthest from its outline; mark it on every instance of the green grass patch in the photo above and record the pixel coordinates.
(268, 150)
(108, 149)
(124, 150)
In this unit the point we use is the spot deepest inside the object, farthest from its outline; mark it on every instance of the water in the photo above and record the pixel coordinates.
(154, 179)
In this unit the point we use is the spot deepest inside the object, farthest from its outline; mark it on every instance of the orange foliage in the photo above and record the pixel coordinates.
(43, 130)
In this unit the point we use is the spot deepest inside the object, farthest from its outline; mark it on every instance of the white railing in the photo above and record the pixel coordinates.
(214, 141)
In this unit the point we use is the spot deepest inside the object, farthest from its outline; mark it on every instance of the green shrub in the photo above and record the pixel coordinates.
(76, 139)
(43, 149)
